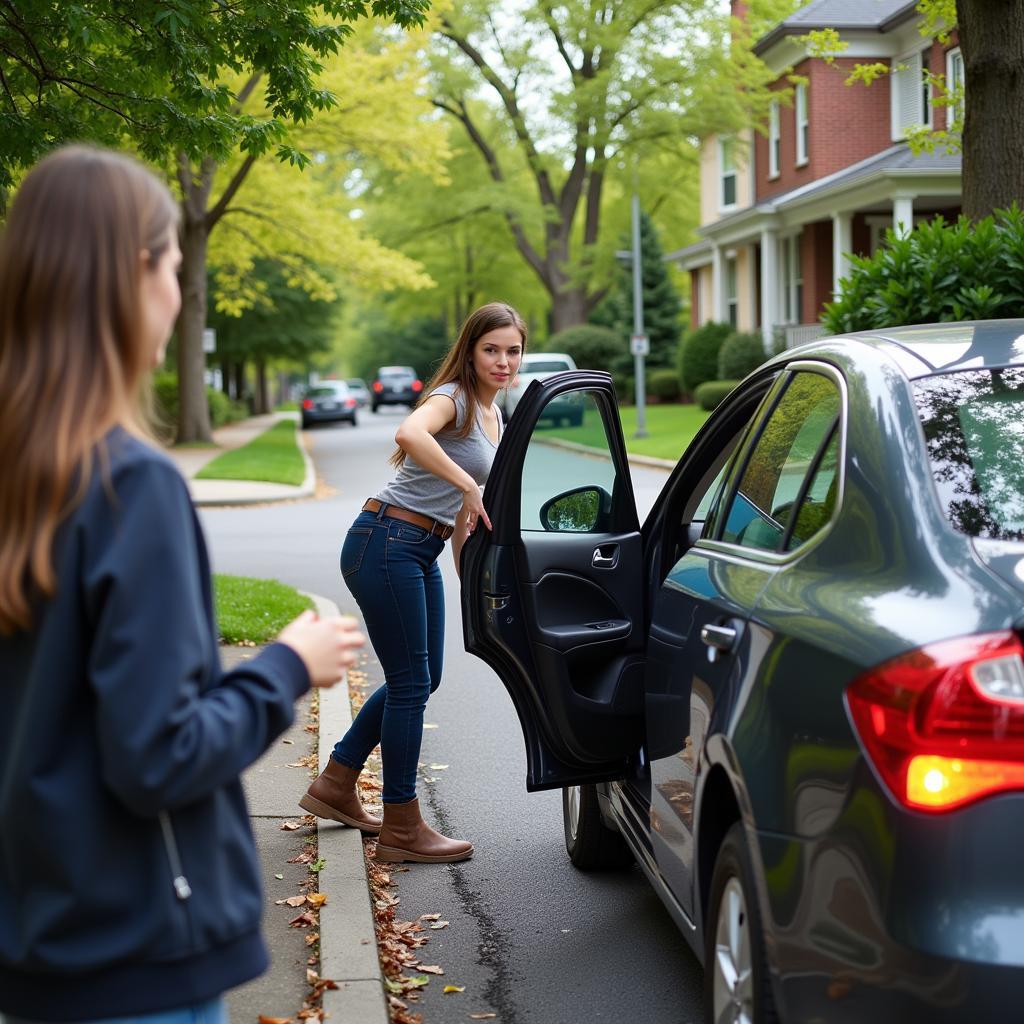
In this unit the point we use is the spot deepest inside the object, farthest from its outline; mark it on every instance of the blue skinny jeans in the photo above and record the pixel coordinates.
(391, 568)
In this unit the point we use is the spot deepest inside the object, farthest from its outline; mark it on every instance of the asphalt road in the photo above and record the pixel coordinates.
(531, 938)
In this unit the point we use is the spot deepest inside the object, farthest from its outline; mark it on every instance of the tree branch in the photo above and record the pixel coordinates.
(246, 91)
(549, 17)
(233, 186)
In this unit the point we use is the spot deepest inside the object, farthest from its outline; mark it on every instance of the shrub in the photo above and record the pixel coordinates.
(709, 395)
(663, 385)
(698, 360)
(591, 347)
(939, 272)
(165, 393)
(624, 388)
(741, 353)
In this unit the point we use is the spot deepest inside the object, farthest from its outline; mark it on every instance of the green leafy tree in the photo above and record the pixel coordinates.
(629, 80)
(661, 303)
(172, 80)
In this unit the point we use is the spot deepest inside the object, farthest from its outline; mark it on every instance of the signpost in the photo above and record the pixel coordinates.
(638, 343)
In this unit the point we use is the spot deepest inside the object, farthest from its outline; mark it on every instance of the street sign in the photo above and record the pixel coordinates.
(639, 345)
(209, 339)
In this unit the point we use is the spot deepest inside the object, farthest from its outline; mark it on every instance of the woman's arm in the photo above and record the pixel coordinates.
(416, 438)
(459, 537)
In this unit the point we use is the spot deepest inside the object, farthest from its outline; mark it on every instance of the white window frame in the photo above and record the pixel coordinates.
(954, 58)
(910, 72)
(727, 151)
(731, 287)
(802, 123)
(791, 282)
(774, 139)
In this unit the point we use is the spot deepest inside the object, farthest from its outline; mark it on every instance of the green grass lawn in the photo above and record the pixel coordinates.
(254, 611)
(273, 457)
(670, 429)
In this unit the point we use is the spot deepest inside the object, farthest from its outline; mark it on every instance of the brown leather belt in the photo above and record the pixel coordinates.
(433, 526)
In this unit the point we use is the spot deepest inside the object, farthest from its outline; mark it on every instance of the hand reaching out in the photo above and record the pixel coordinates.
(473, 507)
(326, 646)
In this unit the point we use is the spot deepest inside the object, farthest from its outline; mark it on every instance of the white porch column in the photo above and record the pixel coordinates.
(769, 285)
(902, 214)
(842, 244)
(717, 283)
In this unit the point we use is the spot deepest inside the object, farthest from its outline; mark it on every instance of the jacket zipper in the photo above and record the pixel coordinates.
(181, 887)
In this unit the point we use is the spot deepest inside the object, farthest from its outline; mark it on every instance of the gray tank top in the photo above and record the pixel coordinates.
(418, 490)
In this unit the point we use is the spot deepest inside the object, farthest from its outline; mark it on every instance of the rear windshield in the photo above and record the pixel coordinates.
(974, 426)
(325, 390)
(397, 371)
(545, 366)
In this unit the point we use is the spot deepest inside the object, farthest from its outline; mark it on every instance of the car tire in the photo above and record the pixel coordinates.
(374, 407)
(590, 843)
(353, 420)
(736, 967)
(305, 423)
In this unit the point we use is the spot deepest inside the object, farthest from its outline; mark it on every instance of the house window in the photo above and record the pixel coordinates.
(792, 280)
(911, 94)
(773, 139)
(727, 162)
(955, 85)
(732, 304)
(801, 124)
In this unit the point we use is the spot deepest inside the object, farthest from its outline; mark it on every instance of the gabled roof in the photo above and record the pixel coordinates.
(880, 15)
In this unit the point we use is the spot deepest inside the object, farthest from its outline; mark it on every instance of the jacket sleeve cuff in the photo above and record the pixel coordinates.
(280, 661)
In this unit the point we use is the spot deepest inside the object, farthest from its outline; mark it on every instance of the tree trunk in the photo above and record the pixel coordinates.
(225, 377)
(262, 394)
(569, 307)
(239, 381)
(992, 43)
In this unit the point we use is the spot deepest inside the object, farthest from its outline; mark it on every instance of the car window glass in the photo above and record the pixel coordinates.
(566, 491)
(762, 505)
(819, 502)
(974, 431)
(544, 366)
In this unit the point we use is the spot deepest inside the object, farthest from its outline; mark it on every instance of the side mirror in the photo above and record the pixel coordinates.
(581, 510)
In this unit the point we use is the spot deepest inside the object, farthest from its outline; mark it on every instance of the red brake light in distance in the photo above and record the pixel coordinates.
(307, 403)
(944, 724)
(417, 385)
(378, 387)
(349, 402)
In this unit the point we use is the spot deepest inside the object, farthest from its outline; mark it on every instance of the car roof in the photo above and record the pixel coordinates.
(925, 349)
(396, 369)
(529, 356)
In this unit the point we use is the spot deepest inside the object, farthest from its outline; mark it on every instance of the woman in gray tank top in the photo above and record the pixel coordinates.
(389, 561)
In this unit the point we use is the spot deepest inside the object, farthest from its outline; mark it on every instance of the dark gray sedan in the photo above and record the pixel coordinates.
(795, 694)
(329, 401)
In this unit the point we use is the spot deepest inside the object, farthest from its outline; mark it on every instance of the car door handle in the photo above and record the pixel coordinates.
(718, 638)
(606, 557)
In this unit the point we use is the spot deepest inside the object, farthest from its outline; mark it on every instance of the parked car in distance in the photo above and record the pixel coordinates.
(540, 366)
(328, 401)
(395, 385)
(360, 392)
(795, 693)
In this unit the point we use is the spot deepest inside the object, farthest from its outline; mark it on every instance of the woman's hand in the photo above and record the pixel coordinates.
(473, 508)
(326, 646)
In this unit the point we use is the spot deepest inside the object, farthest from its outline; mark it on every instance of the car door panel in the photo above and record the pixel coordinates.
(559, 613)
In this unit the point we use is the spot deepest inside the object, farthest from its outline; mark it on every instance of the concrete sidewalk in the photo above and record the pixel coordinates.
(348, 946)
(239, 492)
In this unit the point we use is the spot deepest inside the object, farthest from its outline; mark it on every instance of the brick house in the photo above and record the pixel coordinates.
(781, 211)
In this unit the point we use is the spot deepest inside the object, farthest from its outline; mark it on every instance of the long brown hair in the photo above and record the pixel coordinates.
(73, 357)
(457, 367)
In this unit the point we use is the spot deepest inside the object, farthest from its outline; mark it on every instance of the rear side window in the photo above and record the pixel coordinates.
(974, 430)
(787, 492)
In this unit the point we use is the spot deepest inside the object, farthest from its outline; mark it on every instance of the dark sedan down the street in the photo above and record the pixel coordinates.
(795, 694)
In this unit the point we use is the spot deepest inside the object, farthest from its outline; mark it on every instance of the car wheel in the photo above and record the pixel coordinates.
(305, 423)
(736, 983)
(353, 420)
(588, 840)
(374, 407)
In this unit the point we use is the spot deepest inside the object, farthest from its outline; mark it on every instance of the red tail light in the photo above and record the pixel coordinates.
(944, 725)
(307, 403)
(417, 385)
(349, 403)
(378, 387)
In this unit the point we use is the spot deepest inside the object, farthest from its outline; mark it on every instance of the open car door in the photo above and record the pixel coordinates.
(553, 598)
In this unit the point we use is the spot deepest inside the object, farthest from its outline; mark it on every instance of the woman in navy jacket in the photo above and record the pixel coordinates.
(129, 884)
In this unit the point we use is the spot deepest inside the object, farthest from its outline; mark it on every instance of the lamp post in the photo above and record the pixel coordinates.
(639, 343)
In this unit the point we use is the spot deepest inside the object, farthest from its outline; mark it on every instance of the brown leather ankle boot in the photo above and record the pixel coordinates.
(405, 836)
(333, 795)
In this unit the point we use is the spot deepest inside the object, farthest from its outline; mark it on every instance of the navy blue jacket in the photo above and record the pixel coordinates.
(129, 881)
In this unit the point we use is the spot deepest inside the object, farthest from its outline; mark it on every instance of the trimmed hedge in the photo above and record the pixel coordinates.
(699, 351)
(165, 392)
(741, 353)
(710, 394)
(664, 385)
(592, 347)
(939, 272)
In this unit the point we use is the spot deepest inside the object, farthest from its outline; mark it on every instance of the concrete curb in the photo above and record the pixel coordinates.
(600, 453)
(254, 492)
(348, 942)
